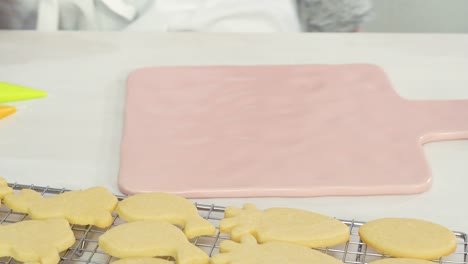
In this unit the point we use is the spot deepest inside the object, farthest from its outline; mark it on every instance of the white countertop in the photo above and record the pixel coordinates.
(72, 138)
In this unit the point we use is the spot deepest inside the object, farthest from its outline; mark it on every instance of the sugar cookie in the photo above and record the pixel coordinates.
(284, 224)
(249, 252)
(168, 208)
(151, 238)
(408, 238)
(36, 240)
(4, 188)
(93, 206)
(142, 261)
(401, 261)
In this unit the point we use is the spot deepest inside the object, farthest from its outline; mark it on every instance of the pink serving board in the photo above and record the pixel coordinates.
(297, 130)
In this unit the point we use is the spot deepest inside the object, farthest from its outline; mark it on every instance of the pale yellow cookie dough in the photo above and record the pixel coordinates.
(4, 188)
(142, 261)
(151, 238)
(408, 238)
(93, 206)
(168, 208)
(38, 241)
(249, 252)
(284, 224)
(401, 261)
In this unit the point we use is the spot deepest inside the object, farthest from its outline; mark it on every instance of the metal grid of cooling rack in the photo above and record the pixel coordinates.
(86, 249)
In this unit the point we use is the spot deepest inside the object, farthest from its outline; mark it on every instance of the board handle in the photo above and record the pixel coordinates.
(443, 120)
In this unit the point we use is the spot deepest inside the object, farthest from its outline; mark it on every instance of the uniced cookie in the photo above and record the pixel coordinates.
(284, 224)
(38, 241)
(249, 252)
(408, 238)
(168, 208)
(401, 261)
(142, 261)
(4, 188)
(93, 206)
(151, 238)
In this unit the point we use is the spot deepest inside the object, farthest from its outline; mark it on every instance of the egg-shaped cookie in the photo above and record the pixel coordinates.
(408, 238)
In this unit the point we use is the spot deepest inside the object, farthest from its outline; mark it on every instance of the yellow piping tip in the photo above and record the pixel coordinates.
(12, 92)
(6, 111)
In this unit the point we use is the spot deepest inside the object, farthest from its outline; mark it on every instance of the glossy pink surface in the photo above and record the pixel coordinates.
(298, 130)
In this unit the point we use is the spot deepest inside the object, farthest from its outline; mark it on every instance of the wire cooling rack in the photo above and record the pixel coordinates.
(86, 248)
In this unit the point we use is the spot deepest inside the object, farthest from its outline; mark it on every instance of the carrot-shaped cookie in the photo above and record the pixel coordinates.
(249, 252)
(284, 224)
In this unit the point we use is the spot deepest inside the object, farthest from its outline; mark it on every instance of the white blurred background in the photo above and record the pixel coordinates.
(422, 16)
(442, 16)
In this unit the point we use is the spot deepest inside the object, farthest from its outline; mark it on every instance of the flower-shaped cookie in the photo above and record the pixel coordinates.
(38, 241)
